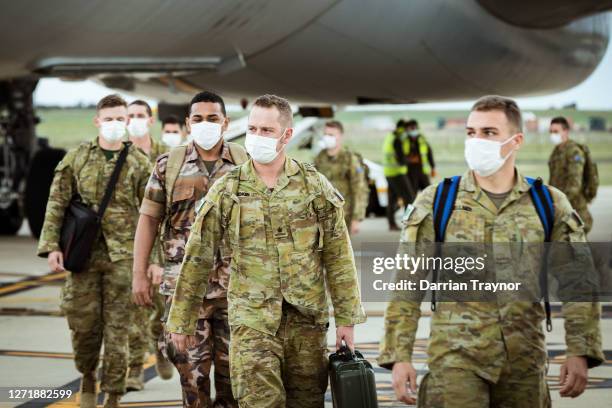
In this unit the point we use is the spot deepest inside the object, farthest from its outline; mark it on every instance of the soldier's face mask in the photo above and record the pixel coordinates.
(113, 130)
(261, 148)
(138, 127)
(171, 139)
(556, 138)
(206, 134)
(329, 142)
(484, 156)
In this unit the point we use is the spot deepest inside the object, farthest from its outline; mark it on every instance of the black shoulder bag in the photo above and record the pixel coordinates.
(82, 224)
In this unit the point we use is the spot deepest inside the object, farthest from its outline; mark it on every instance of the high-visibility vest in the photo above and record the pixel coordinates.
(391, 167)
(424, 152)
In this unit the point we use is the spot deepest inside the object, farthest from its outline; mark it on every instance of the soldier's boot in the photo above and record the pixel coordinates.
(164, 368)
(135, 379)
(88, 390)
(112, 400)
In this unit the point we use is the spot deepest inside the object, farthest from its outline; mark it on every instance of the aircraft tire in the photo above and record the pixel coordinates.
(38, 184)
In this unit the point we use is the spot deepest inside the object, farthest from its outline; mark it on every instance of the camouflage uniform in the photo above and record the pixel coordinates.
(147, 327)
(157, 149)
(192, 184)
(566, 168)
(96, 301)
(346, 173)
(285, 242)
(487, 354)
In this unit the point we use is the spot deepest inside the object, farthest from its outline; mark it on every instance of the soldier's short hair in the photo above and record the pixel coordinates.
(281, 104)
(207, 96)
(110, 101)
(171, 120)
(412, 122)
(140, 102)
(335, 124)
(501, 103)
(560, 120)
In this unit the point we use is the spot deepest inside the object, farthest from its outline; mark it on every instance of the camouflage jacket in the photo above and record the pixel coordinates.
(157, 149)
(86, 171)
(566, 168)
(346, 173)
(192, 184)
(483, 336)
(286, 243)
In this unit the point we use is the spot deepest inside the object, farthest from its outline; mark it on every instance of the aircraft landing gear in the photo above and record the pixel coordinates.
(17, 145)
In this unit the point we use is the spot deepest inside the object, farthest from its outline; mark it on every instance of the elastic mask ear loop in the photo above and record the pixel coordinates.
(511, 151)
(283, 144)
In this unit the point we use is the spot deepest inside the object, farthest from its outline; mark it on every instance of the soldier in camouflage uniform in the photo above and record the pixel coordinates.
(146, 322)
(566, 169)
(96, 300)
(192, 170)
(139, 129)
(345, 171)
(283, 224)
(488, 354)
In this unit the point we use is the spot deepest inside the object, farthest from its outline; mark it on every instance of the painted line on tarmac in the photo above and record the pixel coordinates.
(31, 283)
(39, 354)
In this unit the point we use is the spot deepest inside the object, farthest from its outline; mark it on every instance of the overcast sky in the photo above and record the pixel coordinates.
(595, 93)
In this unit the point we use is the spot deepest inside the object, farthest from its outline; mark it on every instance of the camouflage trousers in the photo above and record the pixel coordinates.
(285, 370)
(96, 304)
(212, 346)
(145, 329)
(459, 388)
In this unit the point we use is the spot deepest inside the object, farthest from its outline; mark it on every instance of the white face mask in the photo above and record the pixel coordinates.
(206, 134)
(484, 156)
(413, 133)
(138, 127)
(113, 130)
(262, 149)
(556, 138)
(329, 141)
(171, 139)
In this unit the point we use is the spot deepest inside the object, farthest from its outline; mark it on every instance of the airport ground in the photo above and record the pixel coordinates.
(35, 346)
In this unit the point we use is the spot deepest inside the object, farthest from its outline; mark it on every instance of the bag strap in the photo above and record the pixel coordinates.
(176, 157)
(231, 195)
(113, 179)
(318, 202)
(446, 194)
(544, 205)
(237, 153)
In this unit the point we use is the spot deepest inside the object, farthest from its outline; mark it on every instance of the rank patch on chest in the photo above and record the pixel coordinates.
(243, 194)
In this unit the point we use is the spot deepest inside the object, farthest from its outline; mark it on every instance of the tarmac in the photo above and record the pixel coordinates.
(35, 350)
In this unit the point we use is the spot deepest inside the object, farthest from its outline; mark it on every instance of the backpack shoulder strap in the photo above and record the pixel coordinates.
(176, 157)
(112, 182)
(239, 155)
(314, 186)
(543, 203)
(230, 194)
(446, 194)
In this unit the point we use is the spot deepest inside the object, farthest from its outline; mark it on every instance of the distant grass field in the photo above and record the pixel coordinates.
(68, 127)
